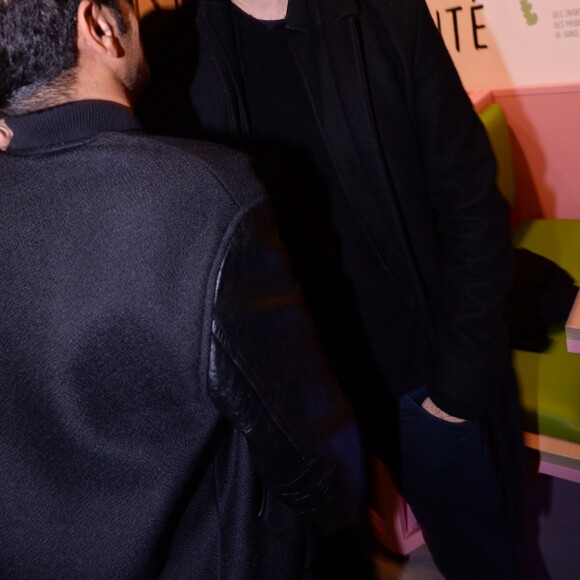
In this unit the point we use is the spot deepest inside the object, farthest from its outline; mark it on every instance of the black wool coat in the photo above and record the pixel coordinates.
(165, 411)
(412, 159)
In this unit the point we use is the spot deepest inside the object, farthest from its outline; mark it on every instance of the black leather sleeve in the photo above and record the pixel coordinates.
(270, 379)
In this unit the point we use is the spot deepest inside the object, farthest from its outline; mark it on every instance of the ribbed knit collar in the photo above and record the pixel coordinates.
(74, 121)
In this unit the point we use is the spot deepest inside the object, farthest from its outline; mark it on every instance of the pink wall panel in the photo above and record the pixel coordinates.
(545, 130)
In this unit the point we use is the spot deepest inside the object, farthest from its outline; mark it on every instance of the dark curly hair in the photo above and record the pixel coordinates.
(38, 44)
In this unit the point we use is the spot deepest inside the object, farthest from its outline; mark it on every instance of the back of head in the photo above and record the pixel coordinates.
(38, 49)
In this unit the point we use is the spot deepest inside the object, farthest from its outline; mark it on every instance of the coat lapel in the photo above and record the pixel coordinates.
(338, 89)
(218, 16)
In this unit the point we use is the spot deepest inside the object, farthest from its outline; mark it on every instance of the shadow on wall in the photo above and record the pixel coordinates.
(545, 128)
(529, 203)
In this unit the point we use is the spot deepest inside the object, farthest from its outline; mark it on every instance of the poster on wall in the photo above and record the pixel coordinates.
(511, 43)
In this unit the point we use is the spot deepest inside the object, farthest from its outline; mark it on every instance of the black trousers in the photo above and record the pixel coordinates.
(450, 477)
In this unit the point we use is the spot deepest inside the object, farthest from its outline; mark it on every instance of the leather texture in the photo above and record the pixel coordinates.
(269, 377)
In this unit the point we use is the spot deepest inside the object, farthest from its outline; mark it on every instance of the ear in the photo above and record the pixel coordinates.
(5, 135)
(97, 30)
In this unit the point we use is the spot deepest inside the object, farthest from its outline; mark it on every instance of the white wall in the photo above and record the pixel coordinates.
(502, 44)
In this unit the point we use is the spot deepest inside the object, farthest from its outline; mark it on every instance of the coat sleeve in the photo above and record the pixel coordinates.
(269, 378)
(471, 221)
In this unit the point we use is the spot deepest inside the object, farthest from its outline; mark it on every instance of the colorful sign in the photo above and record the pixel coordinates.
(511, 43)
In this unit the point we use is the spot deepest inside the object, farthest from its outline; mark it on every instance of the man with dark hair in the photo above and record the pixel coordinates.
(166, 412)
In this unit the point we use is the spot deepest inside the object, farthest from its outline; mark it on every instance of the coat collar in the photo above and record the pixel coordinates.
(70, 122)
(303, 13)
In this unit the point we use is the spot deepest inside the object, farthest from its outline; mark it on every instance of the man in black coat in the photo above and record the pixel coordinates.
(384, 186)
(165, 409)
